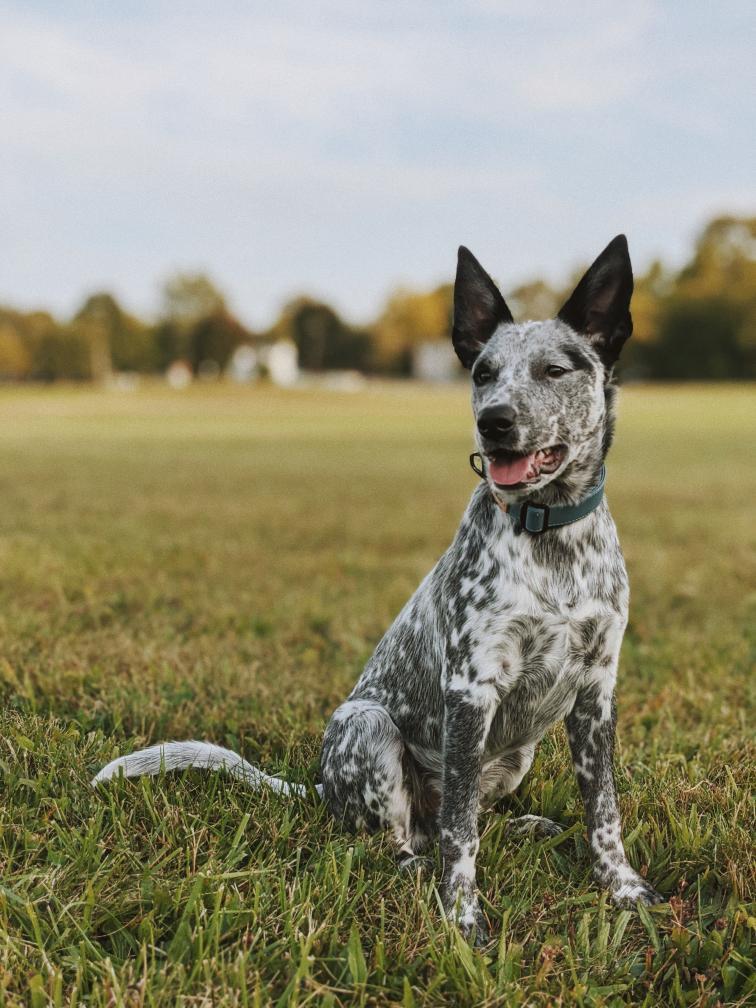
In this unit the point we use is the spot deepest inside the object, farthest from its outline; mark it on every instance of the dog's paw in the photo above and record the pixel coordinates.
(471, 924)
(634, 890)
(463, 912)
(535, 826)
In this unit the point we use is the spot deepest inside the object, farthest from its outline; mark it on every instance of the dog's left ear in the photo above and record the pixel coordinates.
(599, 307)
(478, 308)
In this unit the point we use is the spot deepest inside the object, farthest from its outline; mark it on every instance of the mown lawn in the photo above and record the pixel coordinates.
(219, 563)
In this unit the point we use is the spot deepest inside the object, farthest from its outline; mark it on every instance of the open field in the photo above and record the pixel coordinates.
(219, 563)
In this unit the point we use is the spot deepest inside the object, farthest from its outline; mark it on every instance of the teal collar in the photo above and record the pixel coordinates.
(538, 518)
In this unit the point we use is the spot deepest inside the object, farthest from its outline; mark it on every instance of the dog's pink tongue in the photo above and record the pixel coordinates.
(508, 473)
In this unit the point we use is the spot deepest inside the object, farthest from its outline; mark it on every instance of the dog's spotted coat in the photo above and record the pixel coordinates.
(510, 632)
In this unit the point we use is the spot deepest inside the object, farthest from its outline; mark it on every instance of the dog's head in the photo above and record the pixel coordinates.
(542, 391)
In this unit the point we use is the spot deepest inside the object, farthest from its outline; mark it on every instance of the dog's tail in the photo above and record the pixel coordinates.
(205, 756)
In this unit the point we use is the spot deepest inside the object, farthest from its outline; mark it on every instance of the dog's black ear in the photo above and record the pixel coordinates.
(599, 307)
(478, 307)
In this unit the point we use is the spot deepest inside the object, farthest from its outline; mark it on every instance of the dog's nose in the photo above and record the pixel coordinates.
(497, 421)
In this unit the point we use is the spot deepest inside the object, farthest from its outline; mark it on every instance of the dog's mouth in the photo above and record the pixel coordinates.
(513, 470)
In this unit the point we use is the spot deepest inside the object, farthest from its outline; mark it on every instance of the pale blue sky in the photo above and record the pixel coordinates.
(342, 149)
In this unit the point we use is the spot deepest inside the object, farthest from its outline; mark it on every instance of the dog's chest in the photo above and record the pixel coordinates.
(533, 631)
(537, 664)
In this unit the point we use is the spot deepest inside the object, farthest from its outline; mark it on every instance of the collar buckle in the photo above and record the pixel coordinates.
(534, 518)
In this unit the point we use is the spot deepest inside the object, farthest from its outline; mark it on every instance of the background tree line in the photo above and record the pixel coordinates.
(695, 323)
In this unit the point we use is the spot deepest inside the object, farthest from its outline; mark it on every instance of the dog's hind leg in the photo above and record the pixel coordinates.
(365, 775)
(503, 776)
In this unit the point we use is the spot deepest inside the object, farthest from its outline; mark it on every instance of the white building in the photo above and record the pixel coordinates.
(278, 361)
(281, 361)
(242, 367)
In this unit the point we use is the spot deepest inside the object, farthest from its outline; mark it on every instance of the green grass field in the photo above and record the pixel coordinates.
(219, 563)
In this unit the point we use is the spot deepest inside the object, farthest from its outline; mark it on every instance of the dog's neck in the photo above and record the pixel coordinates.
(533, 517)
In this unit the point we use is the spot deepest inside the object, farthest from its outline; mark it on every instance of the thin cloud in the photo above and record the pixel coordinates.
(339, 150)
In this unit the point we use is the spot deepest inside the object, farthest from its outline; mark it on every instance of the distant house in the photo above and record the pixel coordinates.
(435, 361)
(281, 360)
(179, 374)
(276, 360)
(242, 366)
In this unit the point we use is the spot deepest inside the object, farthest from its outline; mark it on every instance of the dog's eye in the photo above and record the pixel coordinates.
(482, 375)
(555, 371)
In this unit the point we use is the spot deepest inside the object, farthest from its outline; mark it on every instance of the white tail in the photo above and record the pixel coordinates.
(205, 756)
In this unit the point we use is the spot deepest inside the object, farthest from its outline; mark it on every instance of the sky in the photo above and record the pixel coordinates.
(343, 149)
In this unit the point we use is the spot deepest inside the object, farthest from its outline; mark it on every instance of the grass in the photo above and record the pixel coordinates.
(220, 562)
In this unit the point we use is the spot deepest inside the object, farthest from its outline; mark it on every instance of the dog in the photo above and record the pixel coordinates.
(518, 625)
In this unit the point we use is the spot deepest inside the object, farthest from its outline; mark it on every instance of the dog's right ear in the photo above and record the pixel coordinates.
(599, 307)
(478, 308)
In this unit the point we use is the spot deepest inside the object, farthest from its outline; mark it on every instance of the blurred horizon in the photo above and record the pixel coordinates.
(346, 155)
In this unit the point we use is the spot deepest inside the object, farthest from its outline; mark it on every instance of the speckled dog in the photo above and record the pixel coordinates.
(518, 625)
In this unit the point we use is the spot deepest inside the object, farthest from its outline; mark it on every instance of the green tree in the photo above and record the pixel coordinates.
(187, 298)
(323, 339)
(116, 339)
(215, 337)
(132, 345)
(408, 319)
(707, 324)
(700, 338)
(15, 353)
(652, 291)
(57, 351)
(94, 323)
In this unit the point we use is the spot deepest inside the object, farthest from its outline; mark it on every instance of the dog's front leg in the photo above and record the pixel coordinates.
(467, 718)
(591, 730)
